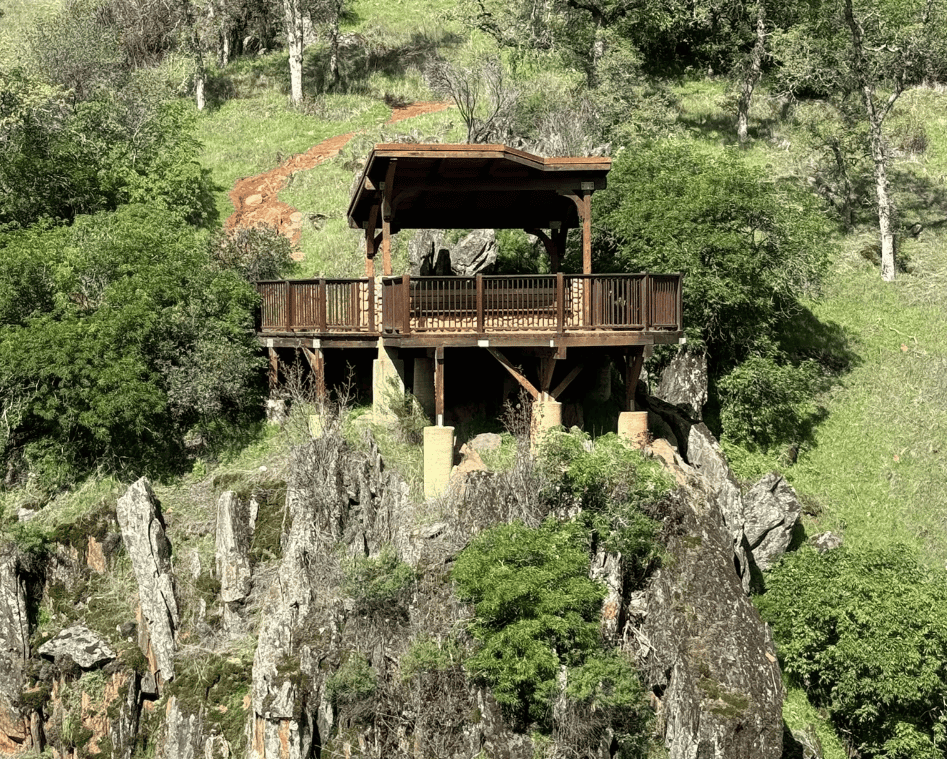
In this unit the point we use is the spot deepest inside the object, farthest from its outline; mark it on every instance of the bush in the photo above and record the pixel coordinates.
(612, 483)
(865, 633)
(536, 608)
(353, 681)
(378, 583)
(750, 247)
(537, 613)
(765, 402)
(151, 342)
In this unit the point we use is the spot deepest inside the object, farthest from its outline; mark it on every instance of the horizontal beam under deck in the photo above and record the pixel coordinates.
(472, 340)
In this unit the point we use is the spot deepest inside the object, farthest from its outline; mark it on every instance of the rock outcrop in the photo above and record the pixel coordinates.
(80, 645)
(430, 256)
(14, 650)
(143, 532)
(771, 512)
(684, 382)
(707, 656)
(233, 537)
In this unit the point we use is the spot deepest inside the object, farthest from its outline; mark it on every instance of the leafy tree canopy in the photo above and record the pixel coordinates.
(865, 633)
(119, 336)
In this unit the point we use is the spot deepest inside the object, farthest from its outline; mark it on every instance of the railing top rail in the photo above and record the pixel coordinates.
(314, 281)
(414, 278)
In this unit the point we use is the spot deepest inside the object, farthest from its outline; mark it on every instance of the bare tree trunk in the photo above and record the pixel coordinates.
(753, 73)
(334, 50)
(225, 45)
(887, 213)
(293, 18)
(879, 152)
(199, 84)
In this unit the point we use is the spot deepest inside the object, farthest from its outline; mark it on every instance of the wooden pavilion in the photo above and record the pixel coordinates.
(412, 186)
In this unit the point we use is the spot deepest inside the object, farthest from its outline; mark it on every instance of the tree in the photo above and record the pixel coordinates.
(865, 633)
(749, 247)
(872, 50)
(120, 335)
(753, 73)
(294, 26)
(483, 94)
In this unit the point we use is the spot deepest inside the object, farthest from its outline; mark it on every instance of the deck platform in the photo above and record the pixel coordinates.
(549, 311)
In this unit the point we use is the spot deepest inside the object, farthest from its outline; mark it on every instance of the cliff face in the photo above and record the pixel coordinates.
(318, 619)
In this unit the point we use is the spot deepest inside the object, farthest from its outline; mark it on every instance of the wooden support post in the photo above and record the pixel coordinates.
(547, 365)
(387, 213)
(634, 362)
(439, 385)
(560, 302)
(559, 238)
(386, 247)
(646, 302)
(289, 306)
(371, 242)
(317, 364)
(517, 375)
(585, 216)
(561, 387)
(371, 306)
(479, 304)
(273, 375)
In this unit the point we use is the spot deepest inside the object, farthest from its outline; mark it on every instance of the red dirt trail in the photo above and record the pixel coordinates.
(255, 198)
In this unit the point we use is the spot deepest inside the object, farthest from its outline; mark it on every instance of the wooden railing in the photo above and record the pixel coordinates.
(481, 304)
(318, 305)
(538, 303)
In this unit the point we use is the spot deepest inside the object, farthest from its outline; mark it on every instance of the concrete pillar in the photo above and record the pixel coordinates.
(633, 427)
(546, 415)
(424, 384)
(387, 378)
(438, 459)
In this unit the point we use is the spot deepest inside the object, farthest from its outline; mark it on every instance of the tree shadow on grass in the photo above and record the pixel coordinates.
(361, 57)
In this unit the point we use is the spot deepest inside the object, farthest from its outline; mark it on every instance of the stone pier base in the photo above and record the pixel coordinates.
(438, 459)
(387, 377)
(633, 427)
(546, 415)
(424, 384)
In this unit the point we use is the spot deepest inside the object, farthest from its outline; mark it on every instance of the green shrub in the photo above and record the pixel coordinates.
(765, 402)
(612, 482)
(380, 582)
(865, 633)
(429, 655)
(536, 608)
(353, 681)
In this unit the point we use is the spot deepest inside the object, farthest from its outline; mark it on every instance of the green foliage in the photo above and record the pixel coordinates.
(258, 252)
(750, 248)
(536, 609)
(61, 156)
(865, 634)
(429, 655)
(150, 340)
(613, 483)
(216, 685)
(355, 680)
(379, 582)
(765, 402)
